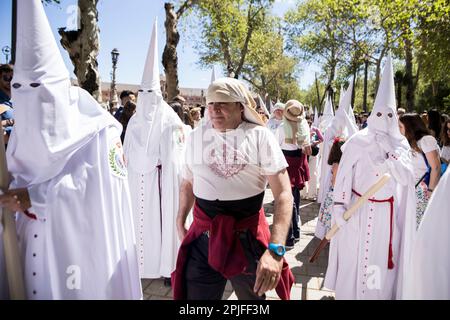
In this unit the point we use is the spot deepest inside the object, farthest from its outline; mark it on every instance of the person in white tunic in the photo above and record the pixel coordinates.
(369, 253)
(341, 126)
(66, 161)
(276, 118)
(429, 274)
(154, 149)
(325, 123)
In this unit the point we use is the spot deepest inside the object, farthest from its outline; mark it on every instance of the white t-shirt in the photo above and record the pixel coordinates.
(426, 144)
(273, 124)
(231, 165)
(445, 153)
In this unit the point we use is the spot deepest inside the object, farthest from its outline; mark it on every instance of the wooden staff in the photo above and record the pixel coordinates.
(11, 247)
(347, 215)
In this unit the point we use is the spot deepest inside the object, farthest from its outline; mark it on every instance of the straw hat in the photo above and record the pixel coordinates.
(293, 110)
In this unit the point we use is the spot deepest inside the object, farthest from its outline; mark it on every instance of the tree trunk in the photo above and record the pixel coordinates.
(83, 46)
(353, 84)
(13, 32)
(319, 104)
(410, 88)
(170, 58)
(366, 68)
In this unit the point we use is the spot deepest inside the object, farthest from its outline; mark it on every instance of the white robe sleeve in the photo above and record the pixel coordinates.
(38, 199)
(172, 160)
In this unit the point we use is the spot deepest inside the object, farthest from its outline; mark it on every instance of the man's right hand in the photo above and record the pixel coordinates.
(181, 228)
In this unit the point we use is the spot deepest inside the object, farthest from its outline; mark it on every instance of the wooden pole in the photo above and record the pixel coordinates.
(347, 215)
(10, 244)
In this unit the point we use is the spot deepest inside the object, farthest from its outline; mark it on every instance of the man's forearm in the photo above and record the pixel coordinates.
(282, 217)
(186, 200)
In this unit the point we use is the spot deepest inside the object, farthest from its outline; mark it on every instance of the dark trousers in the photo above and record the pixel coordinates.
(294, 230)
(204, 283)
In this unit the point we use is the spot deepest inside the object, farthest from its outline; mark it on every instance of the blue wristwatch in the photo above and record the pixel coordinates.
(278, 249)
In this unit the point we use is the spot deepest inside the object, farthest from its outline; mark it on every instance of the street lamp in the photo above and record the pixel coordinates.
(366, 67)
(113, 95)
(6, 51)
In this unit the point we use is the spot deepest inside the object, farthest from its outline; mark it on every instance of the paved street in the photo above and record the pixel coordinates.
(308, 277)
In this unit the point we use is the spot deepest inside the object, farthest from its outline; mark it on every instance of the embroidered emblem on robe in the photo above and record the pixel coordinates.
(116, 159)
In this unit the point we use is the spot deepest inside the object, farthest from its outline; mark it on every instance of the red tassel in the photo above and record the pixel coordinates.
(390, 257)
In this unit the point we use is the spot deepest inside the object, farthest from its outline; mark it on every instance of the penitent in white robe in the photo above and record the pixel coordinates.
(429, 274)
(154, 180)
(3, 280)
(358, 258)
(82, 245)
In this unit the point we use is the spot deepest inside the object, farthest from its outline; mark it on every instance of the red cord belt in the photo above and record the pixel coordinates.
(391, 204)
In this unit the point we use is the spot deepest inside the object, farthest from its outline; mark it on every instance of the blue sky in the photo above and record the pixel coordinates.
(127, 27)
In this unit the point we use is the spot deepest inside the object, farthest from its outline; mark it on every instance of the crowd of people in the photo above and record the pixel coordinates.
(165, 190)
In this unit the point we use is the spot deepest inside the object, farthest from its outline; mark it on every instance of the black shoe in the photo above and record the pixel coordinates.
(167, 282)
(290, 244)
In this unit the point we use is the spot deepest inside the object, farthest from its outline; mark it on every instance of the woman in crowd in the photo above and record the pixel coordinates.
(294, 138)
(445, 140)
(434, 124)
(425, 155)
(324, 220)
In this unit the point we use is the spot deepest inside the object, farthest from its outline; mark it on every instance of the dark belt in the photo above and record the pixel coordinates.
(239, 209)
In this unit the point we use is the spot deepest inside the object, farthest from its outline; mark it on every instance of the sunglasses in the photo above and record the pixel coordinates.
(7, 78)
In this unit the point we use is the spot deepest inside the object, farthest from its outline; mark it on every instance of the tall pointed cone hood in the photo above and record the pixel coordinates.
(146, 124)
(213, 75)
(327, 116)
(348, 105)
(263, 105)
(37, 56)
(384, 116)
(270, 106)
(150, 78)
(341, 95)
(53, 119)
(316, 118)
(342, 122)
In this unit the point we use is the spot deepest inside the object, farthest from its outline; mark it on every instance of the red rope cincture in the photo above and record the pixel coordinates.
(391, 204)
(30, 215)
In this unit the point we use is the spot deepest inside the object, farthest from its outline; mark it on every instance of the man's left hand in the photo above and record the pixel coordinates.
(268, 272)
(16, 200)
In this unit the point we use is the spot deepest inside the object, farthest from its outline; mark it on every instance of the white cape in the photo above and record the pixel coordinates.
(429, 274)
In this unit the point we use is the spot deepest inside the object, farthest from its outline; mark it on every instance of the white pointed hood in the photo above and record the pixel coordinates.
(341, 95)
(316, 118)
(327, 116)
(383, 118)
(263, 106)
(152, 115)
(348, 107)
(270, 106)
(342, 125)
(213, 75)
(53, 119)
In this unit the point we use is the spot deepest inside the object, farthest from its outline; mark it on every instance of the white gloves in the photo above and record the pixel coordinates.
(338, 214)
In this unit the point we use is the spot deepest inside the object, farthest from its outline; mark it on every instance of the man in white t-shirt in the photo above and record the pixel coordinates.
(229, 161)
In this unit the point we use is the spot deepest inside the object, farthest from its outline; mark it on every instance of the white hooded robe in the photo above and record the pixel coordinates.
(358, 257)
(154, 148)
(66, 150)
